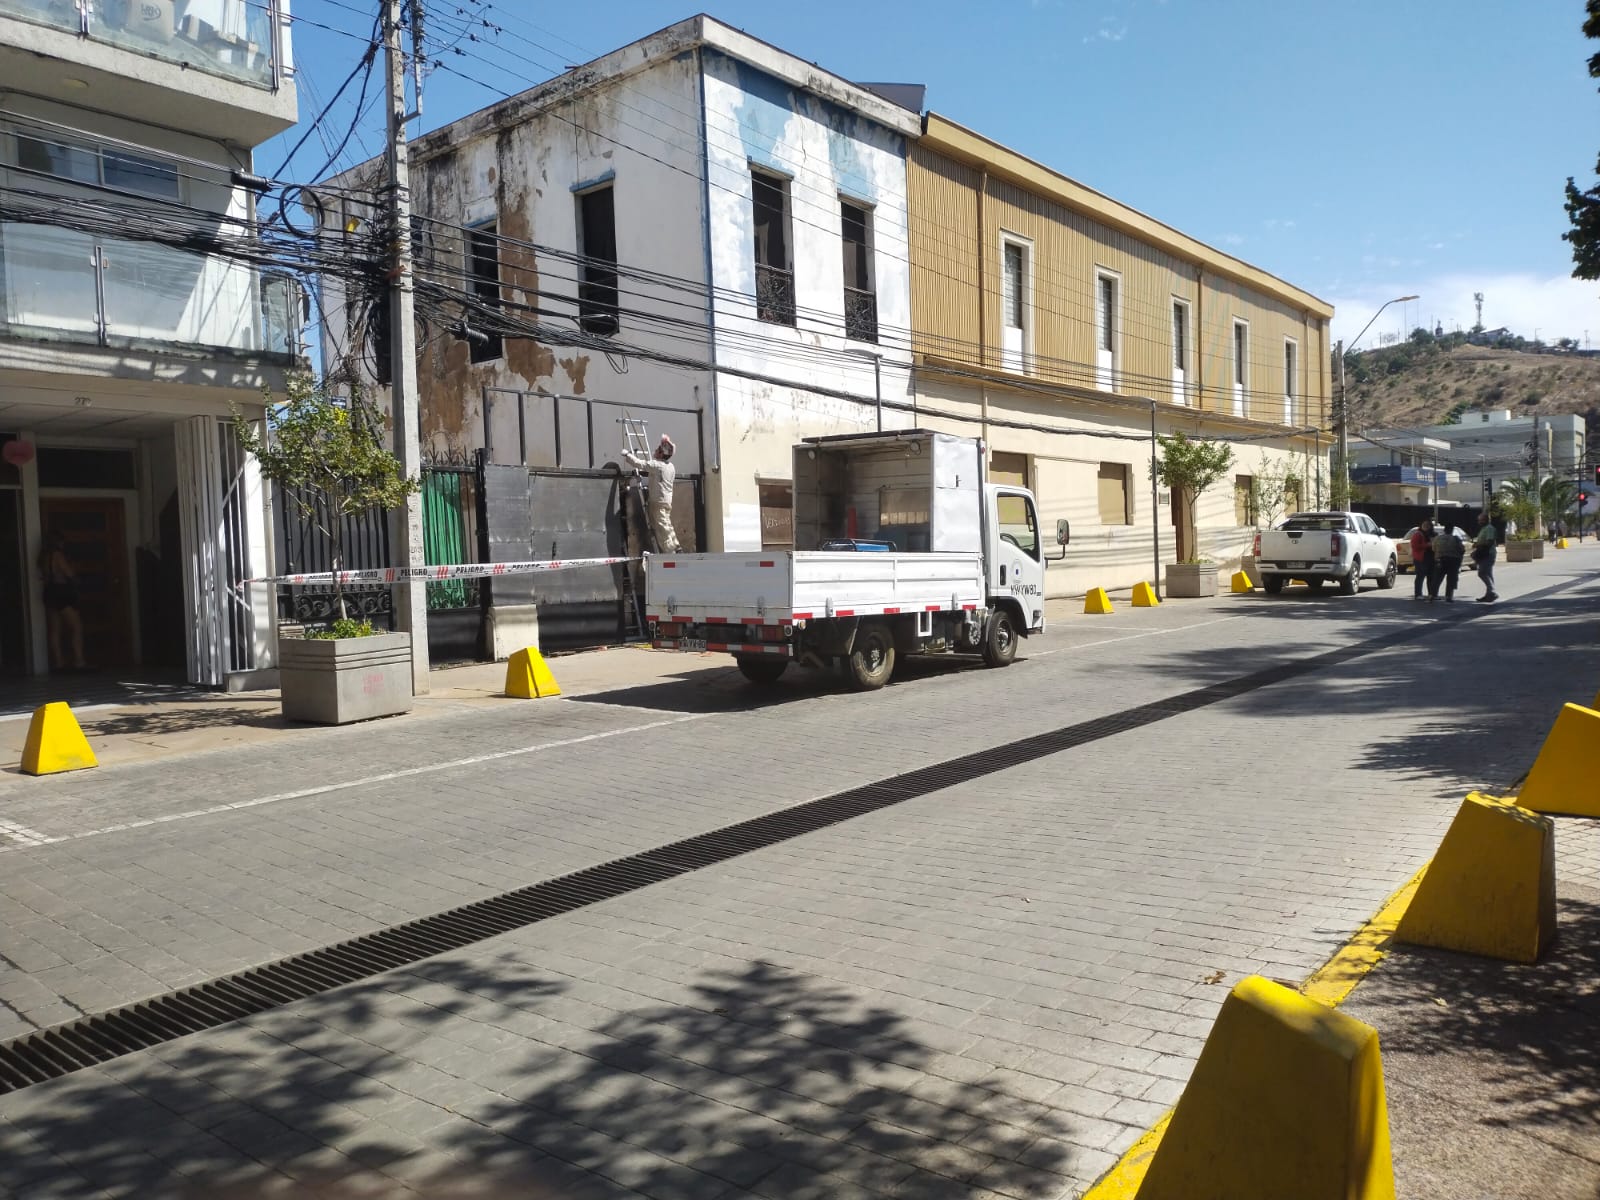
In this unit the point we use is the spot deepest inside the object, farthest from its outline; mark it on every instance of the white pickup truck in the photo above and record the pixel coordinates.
(1318, 546)
(901, 546)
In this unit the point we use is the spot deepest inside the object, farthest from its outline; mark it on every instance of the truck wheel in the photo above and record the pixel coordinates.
(1314, 585)
(871, 662)
(1273, 584)
(1348, 585)
(761, 669)
(1386, 580)
(1000, 646)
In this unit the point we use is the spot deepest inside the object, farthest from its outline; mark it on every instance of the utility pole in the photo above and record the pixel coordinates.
(1339, 485)
(410, 598)
(1537, 497)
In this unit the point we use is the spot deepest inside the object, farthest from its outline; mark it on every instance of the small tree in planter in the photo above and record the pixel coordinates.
(1275, 490)
(1519, 502)
(1188, 467)
(327, 453)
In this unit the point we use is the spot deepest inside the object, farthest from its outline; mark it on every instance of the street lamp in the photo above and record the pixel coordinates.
(1341, 478)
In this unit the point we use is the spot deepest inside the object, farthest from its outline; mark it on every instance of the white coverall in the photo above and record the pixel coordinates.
(662, 474)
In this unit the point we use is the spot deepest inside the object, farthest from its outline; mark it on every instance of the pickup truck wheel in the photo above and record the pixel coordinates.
(1000, 646)
(1386, 580)
(1273, 584)
(761, 669)
(1348, 585)
(871, 661)
(1314, 585)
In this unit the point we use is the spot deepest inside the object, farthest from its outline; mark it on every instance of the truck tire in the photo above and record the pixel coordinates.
(761, 669)
(1273, 584)
(1349, 584)
(871, 660)
(1000, 642)
(1386, 580)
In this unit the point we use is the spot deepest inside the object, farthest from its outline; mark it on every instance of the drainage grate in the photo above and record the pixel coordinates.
(61, 1049)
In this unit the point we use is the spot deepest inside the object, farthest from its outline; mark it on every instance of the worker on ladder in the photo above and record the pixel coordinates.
(662, 474)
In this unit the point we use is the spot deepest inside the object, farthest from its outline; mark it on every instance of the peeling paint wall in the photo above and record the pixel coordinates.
(827, 152)
(639, 134)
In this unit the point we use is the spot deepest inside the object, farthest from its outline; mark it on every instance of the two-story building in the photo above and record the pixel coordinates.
(730, 215)
(1062, 326)
(127, 331)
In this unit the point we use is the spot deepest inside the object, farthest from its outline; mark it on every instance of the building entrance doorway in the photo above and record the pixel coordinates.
(95, 537)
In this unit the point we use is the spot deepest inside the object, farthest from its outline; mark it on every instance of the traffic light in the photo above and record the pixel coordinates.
(1597, 475)
(1583, 500)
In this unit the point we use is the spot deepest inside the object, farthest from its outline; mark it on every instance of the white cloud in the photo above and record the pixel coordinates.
(1554, 307)
(1232, 239)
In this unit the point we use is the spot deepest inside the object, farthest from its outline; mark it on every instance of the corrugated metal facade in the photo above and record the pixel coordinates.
(955, 207)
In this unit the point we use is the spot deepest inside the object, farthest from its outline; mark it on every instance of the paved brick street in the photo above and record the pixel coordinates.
(991, 988)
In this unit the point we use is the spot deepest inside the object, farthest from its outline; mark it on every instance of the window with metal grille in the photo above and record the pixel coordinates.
(597, 242)
(860, 293)
(1016, 265)
(1244, 500)
(1108, 314)
(1241, 350)
(1180, 334)
(769, 201)
(1113, 494)
(483, 277)
(1290, 366)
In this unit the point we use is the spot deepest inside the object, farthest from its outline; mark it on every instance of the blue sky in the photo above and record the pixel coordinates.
(1361, 151)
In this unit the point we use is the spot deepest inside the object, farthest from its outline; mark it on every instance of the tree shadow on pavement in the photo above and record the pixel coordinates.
(1485, 1045)
(1465, 704)
(493, 1079)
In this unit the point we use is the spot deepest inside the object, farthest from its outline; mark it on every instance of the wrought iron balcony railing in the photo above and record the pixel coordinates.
(860, 314)
(774, 295)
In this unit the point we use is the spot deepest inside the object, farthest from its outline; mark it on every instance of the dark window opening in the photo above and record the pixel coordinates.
(81, 467)
(769, 199)
(860, 295)
(483, 270)
(597, 242)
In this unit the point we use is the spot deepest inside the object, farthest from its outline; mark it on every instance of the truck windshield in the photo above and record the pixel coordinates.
(1323, 524)
(1017, 523)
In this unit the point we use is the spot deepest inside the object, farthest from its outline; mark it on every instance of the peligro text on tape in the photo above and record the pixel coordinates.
(441, 571)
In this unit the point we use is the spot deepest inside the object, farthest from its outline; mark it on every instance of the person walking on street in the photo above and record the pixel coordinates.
(1483, 555)
(61, 604)
(1447, 552)
(1422, 557)
(662, 475)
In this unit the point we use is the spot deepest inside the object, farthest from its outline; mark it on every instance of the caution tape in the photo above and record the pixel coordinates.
(436, 573)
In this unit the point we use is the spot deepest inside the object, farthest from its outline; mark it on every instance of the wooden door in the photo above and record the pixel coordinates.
(97, 547)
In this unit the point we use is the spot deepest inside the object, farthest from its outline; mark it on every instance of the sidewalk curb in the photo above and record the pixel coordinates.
(1329, 984)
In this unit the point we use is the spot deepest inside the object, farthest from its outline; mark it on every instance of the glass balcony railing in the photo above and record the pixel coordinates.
(75, 287)
(231, 38)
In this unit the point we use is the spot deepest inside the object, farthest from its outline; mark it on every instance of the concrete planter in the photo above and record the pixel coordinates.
(1523, 551)
(346, 679)
(1247, 564)
(1191, 581)
(1538, 548)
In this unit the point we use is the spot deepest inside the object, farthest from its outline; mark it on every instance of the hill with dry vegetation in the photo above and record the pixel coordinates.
(1432, 381)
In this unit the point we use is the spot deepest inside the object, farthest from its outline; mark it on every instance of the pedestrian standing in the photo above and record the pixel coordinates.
(1421, 557)
(1483, 555)
(1447, 552)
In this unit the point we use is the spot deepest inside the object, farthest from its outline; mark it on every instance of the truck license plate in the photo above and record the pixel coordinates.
(1296, 566)
(691, 643)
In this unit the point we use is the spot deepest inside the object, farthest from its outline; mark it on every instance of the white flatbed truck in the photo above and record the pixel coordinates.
(901, 546)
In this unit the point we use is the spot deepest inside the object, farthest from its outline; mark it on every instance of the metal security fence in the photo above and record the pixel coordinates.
(304, 546)
(452, 498)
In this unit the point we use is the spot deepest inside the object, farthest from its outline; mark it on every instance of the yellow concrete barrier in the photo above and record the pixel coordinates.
(1144, 596)
(1566, 775)
(1097, 601)
(1491, 888)
(1241, 582)
(56, 743)
(1561, 543)
(1286, 1100)
(528, 677)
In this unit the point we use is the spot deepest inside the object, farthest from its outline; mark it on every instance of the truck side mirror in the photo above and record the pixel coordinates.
(1063, 532)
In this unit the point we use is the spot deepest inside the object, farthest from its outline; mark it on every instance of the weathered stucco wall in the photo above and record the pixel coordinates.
(638, 134)
(826, 152)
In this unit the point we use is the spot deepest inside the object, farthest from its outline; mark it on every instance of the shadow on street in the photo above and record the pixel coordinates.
(493, 1079)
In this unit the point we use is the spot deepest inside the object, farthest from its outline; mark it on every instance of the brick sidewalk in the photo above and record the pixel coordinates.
(987, 990)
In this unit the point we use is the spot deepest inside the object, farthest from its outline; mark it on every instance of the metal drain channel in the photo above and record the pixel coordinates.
(88, 1041)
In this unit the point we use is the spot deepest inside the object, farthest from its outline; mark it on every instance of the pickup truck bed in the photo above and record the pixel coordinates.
(789, 587)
